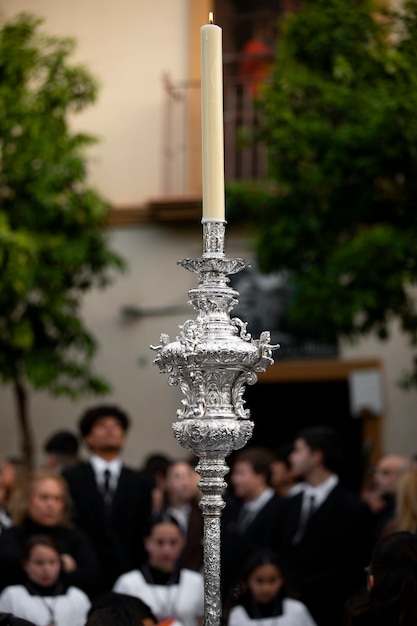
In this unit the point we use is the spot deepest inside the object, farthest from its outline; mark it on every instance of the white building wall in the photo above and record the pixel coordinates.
(154, 281)
(127, 45)
(125, 358)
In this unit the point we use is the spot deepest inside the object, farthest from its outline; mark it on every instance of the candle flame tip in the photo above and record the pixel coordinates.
(211, 17)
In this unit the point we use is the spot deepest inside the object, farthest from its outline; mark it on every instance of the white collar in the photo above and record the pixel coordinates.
(296, 489)
(99, 465)
(322, 491)
(260, 501)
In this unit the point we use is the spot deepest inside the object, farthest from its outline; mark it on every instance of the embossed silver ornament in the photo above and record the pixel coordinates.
(212, 360)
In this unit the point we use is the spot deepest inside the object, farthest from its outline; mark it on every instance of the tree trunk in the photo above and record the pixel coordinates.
(26, 440)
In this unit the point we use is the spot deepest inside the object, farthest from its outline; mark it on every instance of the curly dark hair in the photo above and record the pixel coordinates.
(118, 609)
(91, 415)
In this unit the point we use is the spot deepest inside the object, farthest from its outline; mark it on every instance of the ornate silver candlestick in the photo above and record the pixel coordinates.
(212, 360)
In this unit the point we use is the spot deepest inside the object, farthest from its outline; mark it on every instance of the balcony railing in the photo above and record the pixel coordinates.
(245, 156)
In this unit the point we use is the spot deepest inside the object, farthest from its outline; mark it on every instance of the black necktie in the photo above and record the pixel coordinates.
(306, 513)
(107, 490)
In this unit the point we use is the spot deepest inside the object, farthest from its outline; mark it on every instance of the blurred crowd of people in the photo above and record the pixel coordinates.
(95, 542)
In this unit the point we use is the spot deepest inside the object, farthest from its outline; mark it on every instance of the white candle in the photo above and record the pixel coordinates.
(212, 121)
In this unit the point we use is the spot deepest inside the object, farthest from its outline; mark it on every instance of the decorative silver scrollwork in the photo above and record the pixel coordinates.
(212, 360)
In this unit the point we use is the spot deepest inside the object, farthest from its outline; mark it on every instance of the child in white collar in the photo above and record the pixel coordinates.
(43, 598)
(262, 600)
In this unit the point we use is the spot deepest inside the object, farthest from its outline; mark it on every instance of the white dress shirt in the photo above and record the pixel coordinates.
(251, 509)
(320, 492)
(99, 466)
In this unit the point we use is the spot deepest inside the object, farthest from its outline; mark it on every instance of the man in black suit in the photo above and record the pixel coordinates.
(322, 534)
(249, 515)
(112, 503)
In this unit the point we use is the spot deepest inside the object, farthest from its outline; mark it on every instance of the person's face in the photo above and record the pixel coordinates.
(302, 459)
(181, 482)
(386, 476)
(8, 474)
(51, 461)
(164, 546)
(43, 565)
(106, 435)
(281, 477)
(47, 502)
(245, 481)
(264, 583)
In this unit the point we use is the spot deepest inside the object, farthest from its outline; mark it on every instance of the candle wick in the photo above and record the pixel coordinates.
(211, 17)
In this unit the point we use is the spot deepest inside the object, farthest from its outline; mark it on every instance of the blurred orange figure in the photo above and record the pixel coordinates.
(257, 59)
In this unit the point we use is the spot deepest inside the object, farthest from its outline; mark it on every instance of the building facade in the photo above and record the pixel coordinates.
(145, 55)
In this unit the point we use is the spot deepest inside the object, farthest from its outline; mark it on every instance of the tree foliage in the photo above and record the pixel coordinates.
(53, 245)
(341, 129)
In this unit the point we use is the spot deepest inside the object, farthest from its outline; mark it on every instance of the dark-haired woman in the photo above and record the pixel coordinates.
(262, 600)
(391, 597)
(43, 597)
(171, 592)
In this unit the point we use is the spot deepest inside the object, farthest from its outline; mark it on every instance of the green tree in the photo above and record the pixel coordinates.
(53, 244)
(341, 128)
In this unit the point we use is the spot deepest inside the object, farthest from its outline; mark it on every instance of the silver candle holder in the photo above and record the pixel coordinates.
(212, 360)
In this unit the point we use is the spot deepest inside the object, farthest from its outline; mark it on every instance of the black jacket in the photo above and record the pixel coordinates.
(328, 563)
(237, 546)
(117, 532)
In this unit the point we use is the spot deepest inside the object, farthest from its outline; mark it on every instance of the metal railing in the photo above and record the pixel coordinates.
(245, 156)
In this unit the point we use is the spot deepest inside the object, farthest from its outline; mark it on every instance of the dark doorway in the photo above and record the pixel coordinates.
(280, 410)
